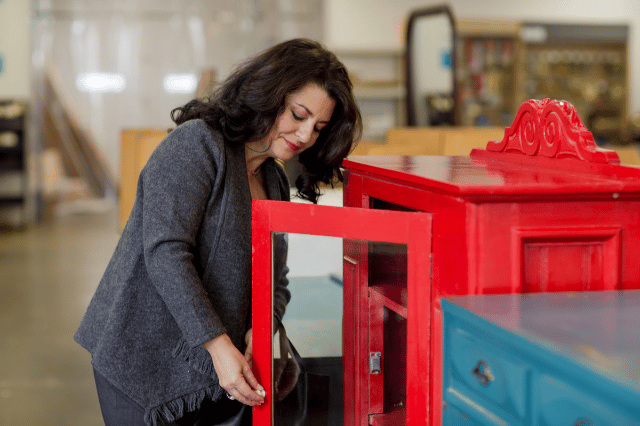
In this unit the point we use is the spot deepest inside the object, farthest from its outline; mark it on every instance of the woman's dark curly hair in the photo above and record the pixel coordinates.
(246, 105)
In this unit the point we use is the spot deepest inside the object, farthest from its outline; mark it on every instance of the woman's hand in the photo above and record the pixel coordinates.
(234, 372)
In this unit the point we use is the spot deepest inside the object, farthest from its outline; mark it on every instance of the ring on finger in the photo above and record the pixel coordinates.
(231, 397)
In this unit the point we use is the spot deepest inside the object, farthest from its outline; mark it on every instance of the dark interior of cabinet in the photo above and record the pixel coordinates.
(388, 261)
(387, 264)
(387, 274)
(394, 361)
(375, 203)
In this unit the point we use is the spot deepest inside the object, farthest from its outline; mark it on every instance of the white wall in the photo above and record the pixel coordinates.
(14, 49)
(143, 42)
(370, 24)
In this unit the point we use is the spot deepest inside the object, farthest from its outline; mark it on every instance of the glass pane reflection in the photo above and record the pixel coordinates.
(313, 324)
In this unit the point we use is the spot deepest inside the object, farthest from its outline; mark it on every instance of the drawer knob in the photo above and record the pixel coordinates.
(482, 371)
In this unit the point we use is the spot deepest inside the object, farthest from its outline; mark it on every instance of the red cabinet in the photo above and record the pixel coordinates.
(543, 210)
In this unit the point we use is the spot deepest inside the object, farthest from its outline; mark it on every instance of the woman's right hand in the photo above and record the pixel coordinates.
(234, 372)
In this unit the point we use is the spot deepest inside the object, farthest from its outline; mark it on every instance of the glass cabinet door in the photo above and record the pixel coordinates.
(364, 312)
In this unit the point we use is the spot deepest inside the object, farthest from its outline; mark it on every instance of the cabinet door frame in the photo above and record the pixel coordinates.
(410, 228)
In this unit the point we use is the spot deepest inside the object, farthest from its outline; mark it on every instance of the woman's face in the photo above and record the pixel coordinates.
(306, 112)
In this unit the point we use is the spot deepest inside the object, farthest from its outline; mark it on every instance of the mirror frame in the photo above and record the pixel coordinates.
(409, 58)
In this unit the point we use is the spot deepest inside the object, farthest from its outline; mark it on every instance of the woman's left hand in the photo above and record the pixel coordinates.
(234, 372)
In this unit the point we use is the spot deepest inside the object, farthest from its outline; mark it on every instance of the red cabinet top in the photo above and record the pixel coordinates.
(547, 151)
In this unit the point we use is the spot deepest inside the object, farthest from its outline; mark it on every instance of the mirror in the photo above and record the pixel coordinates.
(430, 67)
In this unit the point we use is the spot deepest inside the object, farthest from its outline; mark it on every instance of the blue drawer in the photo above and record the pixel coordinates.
(542, 360)
(487, 376)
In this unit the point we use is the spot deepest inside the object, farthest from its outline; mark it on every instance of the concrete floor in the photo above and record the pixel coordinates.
(48, 274)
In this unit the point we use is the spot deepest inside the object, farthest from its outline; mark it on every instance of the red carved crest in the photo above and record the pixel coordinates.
(553, 129)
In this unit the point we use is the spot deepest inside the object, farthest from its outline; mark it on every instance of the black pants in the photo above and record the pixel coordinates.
(120, 410)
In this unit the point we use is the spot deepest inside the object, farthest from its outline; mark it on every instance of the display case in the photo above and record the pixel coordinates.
(542, 359)
(503, 63)
(542, 210)
(586, 65)
(489, 71)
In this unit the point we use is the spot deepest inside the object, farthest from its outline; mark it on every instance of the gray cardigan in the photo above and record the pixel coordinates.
(180, 274)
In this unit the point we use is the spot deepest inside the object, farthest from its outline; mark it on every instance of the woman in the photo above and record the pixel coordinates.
(169, 325)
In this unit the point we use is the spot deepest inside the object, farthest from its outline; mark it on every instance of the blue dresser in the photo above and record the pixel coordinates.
(552, 359)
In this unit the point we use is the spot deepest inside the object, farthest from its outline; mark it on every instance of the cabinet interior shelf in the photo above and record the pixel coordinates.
(396, 417)
(390, 296)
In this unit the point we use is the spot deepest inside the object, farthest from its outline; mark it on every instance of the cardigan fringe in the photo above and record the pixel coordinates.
(175, 409)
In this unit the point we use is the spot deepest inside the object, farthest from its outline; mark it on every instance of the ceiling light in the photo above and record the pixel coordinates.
(100, 82)
(180, 83)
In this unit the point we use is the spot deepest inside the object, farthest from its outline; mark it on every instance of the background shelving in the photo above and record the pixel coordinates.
(13, 177)
(378, 79)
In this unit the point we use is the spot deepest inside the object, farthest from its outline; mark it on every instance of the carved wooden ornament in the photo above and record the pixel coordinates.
(551, 128)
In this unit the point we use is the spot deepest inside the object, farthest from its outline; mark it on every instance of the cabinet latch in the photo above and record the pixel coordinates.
(375, 365)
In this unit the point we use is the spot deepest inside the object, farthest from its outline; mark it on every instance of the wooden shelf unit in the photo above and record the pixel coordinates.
(13, 171)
